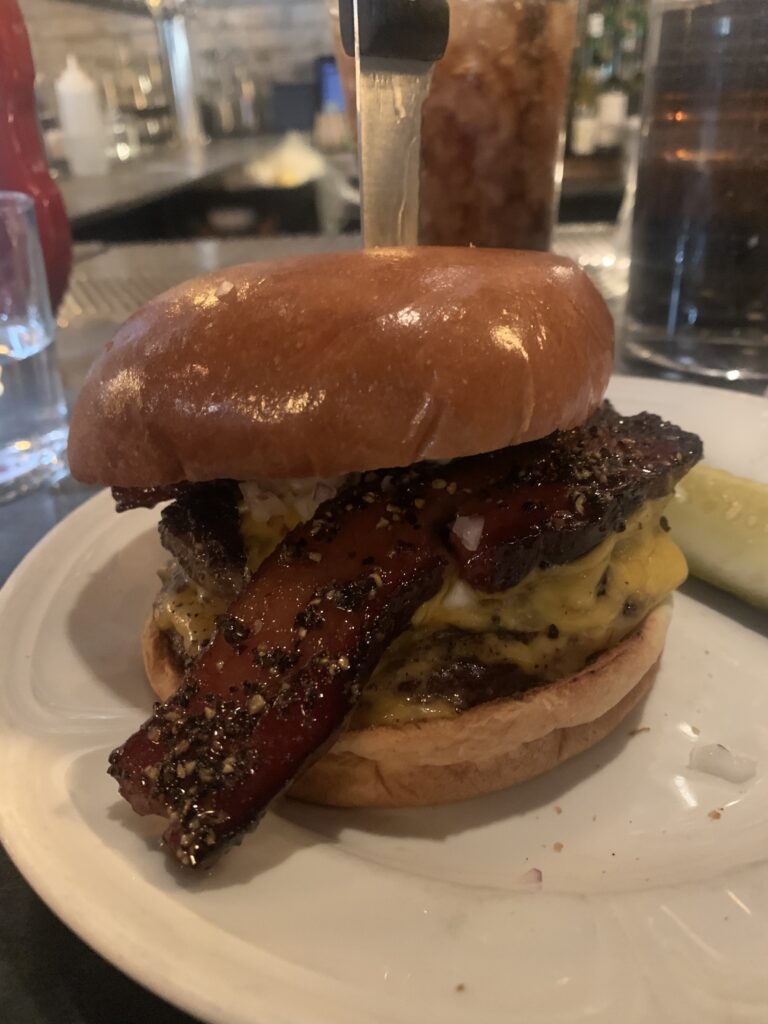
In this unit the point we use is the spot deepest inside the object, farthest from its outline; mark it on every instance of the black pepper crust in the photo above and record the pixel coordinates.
(287, 662)
(277, 682)
(552, 501)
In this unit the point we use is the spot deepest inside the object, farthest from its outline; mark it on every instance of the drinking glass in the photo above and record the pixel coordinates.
(492, 124)
(33, 415)
(698, 291)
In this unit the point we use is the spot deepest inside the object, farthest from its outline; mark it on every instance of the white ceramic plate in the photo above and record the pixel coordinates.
(652, 910)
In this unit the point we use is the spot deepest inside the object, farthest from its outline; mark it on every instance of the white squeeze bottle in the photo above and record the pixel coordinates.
(82, 120)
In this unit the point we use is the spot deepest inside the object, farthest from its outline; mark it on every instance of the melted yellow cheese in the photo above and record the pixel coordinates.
(261, 539)
(191, 612)
(640, 563)
(548, 625)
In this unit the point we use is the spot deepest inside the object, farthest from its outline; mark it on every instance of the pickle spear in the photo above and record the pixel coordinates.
(721, 523)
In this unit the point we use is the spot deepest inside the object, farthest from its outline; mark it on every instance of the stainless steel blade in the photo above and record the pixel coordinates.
(390, 94)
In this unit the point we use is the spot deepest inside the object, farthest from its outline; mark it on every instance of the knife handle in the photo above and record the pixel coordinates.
(396, 29)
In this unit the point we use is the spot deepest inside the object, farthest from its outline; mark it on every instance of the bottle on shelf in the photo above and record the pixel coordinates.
(587, 78)
(608, 74)
(611, 114)
(584, 119)
(82, 120)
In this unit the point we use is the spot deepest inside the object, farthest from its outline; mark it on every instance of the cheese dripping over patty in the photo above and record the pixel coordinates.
(547, 626)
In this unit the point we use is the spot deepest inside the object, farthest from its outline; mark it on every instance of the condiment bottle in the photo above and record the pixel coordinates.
(82, 120)
(23, 165)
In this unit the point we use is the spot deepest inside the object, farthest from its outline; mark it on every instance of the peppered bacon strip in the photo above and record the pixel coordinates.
(545, 502)
(288, 660)
(279, 678)
(552, 501)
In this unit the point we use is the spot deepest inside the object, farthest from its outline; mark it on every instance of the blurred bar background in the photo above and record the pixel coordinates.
(257, 71)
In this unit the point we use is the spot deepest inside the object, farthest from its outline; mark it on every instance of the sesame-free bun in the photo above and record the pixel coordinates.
(342, 362)
(488, 747)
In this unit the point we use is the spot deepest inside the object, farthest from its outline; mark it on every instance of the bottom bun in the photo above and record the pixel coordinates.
(160, 664)
(489, 747)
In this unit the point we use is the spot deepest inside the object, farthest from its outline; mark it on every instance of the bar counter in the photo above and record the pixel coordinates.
(150, 177)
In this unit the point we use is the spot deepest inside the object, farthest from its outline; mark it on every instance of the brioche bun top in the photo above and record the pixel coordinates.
(341, 362)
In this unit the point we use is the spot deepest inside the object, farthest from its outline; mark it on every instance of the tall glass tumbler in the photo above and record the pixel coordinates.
(698, 293)
(33, 415)
(492, 124)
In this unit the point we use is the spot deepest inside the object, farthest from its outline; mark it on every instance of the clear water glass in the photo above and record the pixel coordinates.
(33, 413)
(698, 288)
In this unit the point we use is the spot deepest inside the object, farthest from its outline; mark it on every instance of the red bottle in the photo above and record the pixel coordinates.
(23, 165)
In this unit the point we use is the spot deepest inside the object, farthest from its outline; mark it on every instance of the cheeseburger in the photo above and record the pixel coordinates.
(413, 556)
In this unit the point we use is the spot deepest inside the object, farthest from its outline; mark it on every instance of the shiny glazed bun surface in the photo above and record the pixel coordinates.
(342, 362)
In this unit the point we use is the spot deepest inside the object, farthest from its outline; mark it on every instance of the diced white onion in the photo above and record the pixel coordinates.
(469, 530)
(715, 759)
(268, 498)
(262, 505)
(305, 505)
(459, 596)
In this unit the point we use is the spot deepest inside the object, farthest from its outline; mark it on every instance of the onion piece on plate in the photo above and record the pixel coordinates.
(715, 759)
